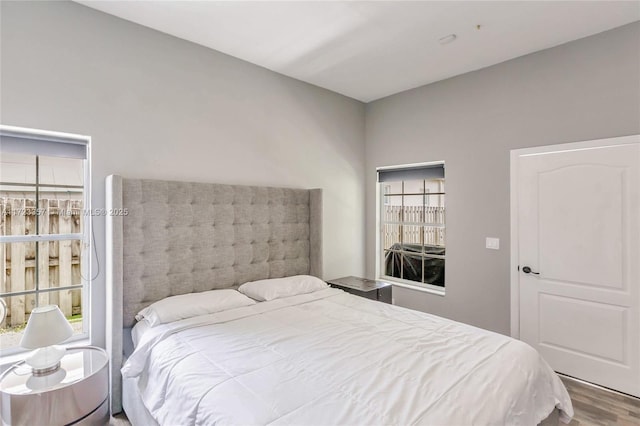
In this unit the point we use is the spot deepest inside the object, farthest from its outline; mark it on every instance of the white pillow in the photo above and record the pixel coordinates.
(189, 305)
(276, 288)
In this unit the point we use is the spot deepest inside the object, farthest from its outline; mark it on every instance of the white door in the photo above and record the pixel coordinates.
(577, 243)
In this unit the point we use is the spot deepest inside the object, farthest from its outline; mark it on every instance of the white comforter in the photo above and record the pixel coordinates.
(333, 358)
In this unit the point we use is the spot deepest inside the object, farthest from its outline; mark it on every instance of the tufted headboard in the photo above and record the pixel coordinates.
(166, 238)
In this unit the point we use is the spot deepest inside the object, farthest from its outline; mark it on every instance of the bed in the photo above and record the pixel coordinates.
(322, 357)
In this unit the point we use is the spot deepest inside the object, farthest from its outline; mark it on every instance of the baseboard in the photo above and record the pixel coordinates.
(593, 385)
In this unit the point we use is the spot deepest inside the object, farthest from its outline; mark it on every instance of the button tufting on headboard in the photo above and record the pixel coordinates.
(181, 237)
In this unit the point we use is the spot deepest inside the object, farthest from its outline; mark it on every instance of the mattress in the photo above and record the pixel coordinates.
(330, 357)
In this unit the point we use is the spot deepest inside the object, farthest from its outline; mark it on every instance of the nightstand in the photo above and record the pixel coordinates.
(77, 393)
(371, 289)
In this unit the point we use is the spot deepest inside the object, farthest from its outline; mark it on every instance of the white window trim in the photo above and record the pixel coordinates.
(426, 288)
(86, 271)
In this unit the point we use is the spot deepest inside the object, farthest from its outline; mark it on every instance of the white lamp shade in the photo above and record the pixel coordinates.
(47, 326)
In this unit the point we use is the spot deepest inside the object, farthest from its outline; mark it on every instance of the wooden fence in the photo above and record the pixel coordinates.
(432, 231)
(58, 261)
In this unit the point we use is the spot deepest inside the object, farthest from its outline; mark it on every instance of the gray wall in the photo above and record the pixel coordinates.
(586, 89)
(160, 107)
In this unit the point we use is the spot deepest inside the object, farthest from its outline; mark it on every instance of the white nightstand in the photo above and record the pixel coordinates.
(77, 393)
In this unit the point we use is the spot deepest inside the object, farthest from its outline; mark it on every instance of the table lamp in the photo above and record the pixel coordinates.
(46, 328)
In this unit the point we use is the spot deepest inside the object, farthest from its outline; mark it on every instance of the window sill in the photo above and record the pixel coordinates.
(417, 288)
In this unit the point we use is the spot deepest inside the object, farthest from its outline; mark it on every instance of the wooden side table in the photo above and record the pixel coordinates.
(77, 393)
(371, 289)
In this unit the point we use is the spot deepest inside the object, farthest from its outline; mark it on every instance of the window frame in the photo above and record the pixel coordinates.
(380, 223)
(85, 237)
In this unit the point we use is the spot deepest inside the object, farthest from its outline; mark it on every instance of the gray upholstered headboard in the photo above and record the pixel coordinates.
(166, 238)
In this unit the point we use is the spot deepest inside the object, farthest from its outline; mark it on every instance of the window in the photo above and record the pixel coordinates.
(44, 233)
(412, 225)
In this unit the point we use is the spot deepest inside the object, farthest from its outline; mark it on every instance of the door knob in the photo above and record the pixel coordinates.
(527, 270)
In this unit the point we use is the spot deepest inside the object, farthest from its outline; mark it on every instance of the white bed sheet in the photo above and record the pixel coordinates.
(138, 330)
(333, 358)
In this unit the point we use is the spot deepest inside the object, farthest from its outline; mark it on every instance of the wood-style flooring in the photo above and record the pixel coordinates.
(594, 406)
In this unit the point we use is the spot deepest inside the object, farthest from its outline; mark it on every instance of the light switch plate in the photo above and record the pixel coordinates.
(493, 243)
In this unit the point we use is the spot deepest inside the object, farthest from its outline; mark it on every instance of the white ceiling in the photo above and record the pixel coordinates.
(369, 50)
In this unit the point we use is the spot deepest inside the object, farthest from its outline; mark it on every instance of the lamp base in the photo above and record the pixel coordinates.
(45, 360)
(39, 382)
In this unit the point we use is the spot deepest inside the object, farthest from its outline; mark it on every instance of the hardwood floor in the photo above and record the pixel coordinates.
(594, 406)
(120, 420)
